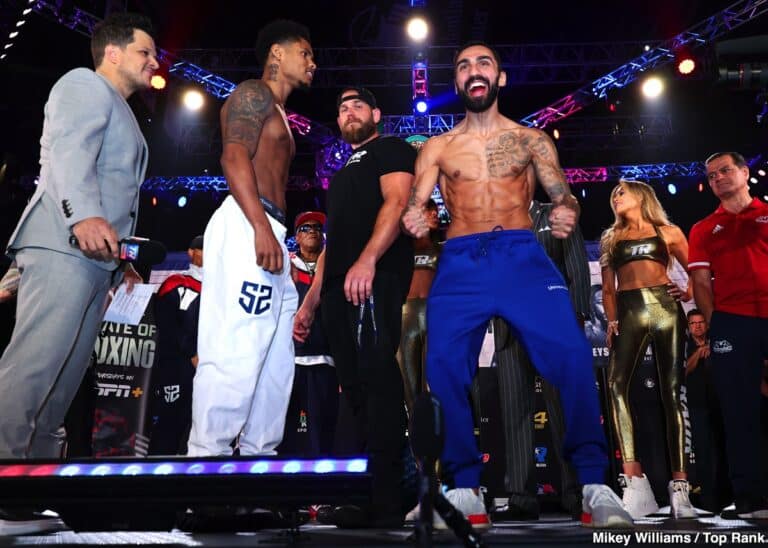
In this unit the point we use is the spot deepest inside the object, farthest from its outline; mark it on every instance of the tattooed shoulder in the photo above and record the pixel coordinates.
(245, 112)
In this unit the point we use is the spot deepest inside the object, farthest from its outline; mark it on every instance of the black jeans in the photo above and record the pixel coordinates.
(371, 414)
(739, 345)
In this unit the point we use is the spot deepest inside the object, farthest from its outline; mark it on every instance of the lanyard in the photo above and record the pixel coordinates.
(361, 316)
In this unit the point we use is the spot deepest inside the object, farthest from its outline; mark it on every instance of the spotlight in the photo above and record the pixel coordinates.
(157, 82)
(761, 172)
(26, 11)
(556, 133)
(647, 47)
(182, 201)
(765, 197)
(753, 180)
(417, 29)
(8, 45)
(193, 100)
(13, 35)
(3, 56)
(701, 187)
(686, 66)
(653, 87)
(583, 192)
(154, 201)
(672, 189)
(20, 23)
(421, 106)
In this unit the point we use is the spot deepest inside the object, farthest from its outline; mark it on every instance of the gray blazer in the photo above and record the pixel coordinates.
(93, 158)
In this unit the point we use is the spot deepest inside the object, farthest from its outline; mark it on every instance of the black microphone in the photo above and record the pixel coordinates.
(427, 435)
(427, 432)
(134, 249)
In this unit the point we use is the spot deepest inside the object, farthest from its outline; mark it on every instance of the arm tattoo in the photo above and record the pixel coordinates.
(506, 155)
(246, 111)
(548, 170)
(412, 197)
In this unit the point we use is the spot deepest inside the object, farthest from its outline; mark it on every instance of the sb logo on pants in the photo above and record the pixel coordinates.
(255, 298)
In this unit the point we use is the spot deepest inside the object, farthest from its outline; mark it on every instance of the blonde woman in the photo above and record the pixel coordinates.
(642, 306)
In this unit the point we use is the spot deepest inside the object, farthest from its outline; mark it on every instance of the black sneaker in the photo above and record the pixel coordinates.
(518, 512)
(755, 508)
(747, 508)
(20, 522)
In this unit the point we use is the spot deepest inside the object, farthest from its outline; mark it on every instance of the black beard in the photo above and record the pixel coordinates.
(358, 135)
(482, 104)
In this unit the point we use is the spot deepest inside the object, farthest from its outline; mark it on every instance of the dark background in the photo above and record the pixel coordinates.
(705, 115)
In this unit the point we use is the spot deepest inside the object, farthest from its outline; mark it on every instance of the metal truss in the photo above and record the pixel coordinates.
(642, 172)
(210, 184)
(730, 18)
(525, 64)
(408, 124)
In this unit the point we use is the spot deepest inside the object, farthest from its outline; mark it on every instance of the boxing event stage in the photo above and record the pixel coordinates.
(552, 530)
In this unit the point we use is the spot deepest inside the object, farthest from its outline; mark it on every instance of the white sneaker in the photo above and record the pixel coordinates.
(437, 521)
(638, 496)
(601, 508)
(471, 505)
(679, 502)
(14, 523)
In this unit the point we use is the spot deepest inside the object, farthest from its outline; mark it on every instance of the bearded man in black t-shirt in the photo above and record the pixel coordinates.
(366, 270)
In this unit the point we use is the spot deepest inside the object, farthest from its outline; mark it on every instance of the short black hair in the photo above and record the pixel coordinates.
(471, 43)
(363, 94)
(431, 205)
(737, 158)
(117, 29)
(694, 312)
(278, 31)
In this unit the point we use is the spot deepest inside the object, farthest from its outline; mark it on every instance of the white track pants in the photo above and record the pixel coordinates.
(245, 346)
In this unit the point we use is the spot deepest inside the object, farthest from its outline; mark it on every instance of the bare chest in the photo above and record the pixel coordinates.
(502, 156)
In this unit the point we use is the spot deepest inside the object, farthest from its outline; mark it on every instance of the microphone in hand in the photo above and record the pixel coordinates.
(134, 249)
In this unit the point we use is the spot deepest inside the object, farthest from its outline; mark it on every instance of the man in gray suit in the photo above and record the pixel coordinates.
(93, 158)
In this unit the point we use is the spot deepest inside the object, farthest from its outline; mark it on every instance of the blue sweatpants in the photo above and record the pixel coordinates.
(507, 273)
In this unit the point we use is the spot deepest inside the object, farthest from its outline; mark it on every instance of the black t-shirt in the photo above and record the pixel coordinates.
(354, 201)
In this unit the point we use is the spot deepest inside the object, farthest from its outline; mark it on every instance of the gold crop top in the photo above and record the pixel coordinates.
(652, 248)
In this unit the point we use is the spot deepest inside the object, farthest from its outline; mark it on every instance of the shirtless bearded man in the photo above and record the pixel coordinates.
(492, 265)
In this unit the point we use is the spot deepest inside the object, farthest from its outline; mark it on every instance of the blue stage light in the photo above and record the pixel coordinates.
(357, 465)
(291, 467)
(132, 470)
(163, 469)
(672, 188)
(325, 466)
(227, 468)
(261, 467)
(421, 106)
(72, 470)
(182, 201)
(101, 470)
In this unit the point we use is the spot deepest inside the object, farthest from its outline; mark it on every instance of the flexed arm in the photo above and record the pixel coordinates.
(414, 218)
(545, 161)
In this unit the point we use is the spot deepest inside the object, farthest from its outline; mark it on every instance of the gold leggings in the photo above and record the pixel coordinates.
(412, 350)
(645, 315)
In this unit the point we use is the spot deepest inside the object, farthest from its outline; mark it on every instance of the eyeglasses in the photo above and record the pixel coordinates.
(309, 228)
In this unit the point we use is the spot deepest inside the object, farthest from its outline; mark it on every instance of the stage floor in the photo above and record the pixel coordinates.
(551, 529)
